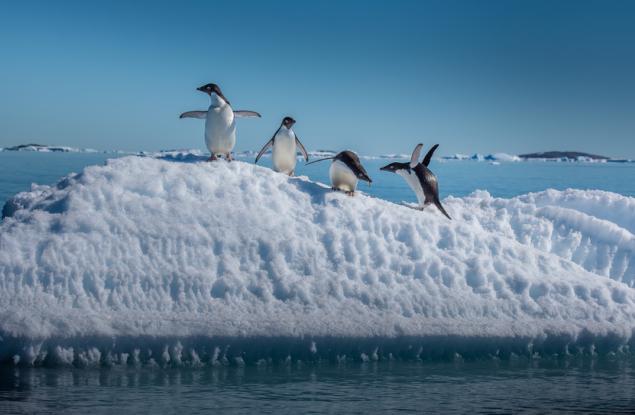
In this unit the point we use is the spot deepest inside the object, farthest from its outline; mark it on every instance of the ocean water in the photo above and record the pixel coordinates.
(18, 170)
(486, 387)
(584, 384)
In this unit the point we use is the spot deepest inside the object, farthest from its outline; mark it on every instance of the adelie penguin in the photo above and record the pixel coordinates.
(345, 171)
(285, 144)
(220, 123)
(420, 179)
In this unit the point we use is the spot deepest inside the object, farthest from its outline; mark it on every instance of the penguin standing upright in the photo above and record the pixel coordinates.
(345, 171)
(220, 124)
(285, 143)
(420, 179)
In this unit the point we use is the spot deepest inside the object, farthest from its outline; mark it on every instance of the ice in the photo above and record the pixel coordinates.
(154, 261)
(503, 157)
(480, 157)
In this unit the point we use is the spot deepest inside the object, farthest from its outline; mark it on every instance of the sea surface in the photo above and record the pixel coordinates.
(560, 385)
(484, 387)
(18, 170)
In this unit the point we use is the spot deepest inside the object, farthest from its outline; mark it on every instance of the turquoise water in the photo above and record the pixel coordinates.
(584, 386)
(458, 178)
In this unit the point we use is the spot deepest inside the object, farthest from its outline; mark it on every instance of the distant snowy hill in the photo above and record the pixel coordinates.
(48, 149)
(564, 155)
(153, 261)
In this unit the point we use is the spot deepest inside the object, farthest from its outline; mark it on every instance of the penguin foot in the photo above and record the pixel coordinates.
(228, 157)
(351, 194)
(212, 158)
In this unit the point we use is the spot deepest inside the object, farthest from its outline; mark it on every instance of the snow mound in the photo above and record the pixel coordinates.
(161, 262)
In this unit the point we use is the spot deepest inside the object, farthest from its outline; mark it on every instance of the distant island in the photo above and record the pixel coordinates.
(571, 155)
(48, 149)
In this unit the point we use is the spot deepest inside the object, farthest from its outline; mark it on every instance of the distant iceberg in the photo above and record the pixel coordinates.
(322, 153)
(389, 156)
(487, 157)
(152, 261)
(503, 157)
(190, 155)
(456, 157)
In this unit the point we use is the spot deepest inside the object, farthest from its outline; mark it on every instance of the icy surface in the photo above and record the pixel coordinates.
(480, 157)
(149, 260)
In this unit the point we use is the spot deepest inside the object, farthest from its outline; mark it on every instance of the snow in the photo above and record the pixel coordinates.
(480, 157)
(391, 156)
(154, 261)
(508, 158)
(49, 149)
(503, 157)
(456, 157)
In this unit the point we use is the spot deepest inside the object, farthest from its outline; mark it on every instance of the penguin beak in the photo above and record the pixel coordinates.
(202, 89)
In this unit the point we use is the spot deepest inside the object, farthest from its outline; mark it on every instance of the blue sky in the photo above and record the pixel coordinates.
(375, 77)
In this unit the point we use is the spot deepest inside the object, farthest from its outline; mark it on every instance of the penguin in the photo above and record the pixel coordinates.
(220, 124)
(285, 143)
(420, 179)
(345, 171)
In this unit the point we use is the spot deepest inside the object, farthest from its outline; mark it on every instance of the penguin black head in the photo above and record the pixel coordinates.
(210, 89)
(288, 122)
(395, 167)
(352, 161)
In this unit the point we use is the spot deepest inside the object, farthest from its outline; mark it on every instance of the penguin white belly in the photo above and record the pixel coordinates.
(284, 152)
(220, 130)
(413, 181)
(342, 177)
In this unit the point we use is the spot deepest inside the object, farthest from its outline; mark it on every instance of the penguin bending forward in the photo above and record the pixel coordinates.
(345, 171)
(220, 124)
(420, 179)
(285, 143)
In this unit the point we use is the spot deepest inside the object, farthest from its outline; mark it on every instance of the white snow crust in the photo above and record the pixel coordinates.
(148, 261)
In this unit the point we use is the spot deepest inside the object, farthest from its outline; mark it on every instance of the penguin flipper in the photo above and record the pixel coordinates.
(264, 148)
(246, 114)
(194, 114)
(302, 149)
(428, 157)
(414, 158)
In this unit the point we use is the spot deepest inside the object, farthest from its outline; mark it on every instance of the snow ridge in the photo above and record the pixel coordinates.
(160, 262)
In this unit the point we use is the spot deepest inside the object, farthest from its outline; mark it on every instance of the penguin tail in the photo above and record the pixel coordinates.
(438, 204)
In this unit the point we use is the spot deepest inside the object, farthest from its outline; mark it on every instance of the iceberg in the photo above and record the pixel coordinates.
(480, 157)
(456, 157)
(503, 157)
(146, 261)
